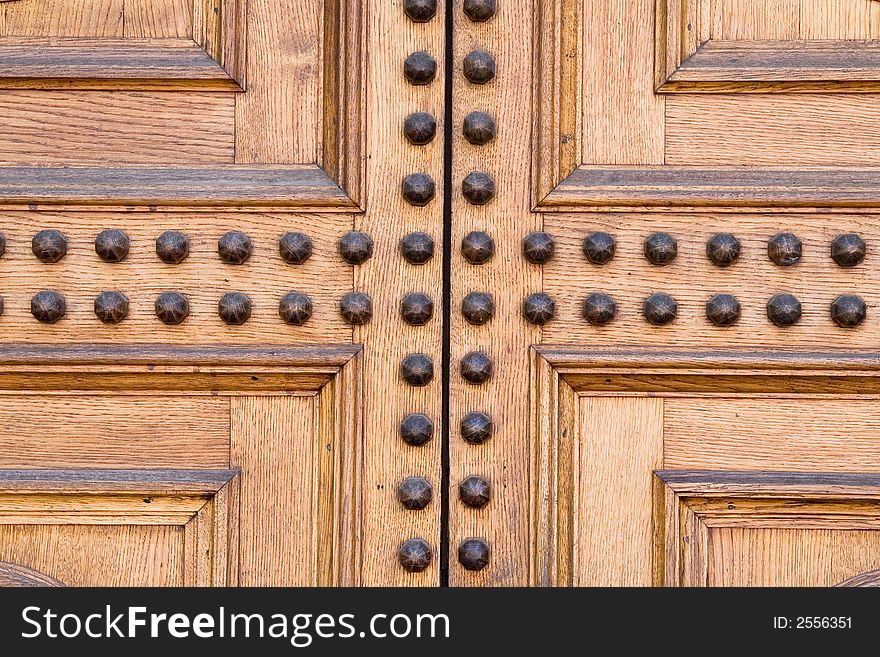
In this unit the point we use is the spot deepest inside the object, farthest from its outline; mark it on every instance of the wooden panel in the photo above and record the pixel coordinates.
(832, 19)
(75, 18)
(150, 19)
(621, 443)
(759, 19)
(762, 434)
(766, 130)
(53, 127)
(114, 432)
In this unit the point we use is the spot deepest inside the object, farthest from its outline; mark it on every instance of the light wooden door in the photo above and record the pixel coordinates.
(234, 410)
(677, 383)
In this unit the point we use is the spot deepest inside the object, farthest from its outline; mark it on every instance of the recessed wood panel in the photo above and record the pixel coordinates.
(71, 18)
(152, 19)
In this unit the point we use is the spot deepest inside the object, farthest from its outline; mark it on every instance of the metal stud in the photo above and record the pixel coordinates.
(235, 308)
(295, 308)
(420, 68)
(479, 11)
(417, 370)
(420, 11)
(417, 309)
(416, 429)
(1, 305)
(172, 247)
(295, 248)
(660, 309)
(112, 245)
(478, 308)
(785, 249)
(477, 247)
(599, 248)
(415, 555)
(235, 248)
(415, 493)
(356, 247)
(723, 249)
(538, 248)
(418, 189)
(599, 309)
(848, 250)
(356, 308)
(478, 188)
(475, 492)
(48, 306)
(476, 427)
(111, 307)
(2, 245)
(784, 310)
(479, 128)
(723, 310)
(539, 308)
(172, 307)
(419, 128)
(49, 245)
(476, 367)
(848, 311)
(417, 248)
(473, 554)
(661, 249)
(479, 67)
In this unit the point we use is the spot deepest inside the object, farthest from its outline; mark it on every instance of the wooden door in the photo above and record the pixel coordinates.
(664, 292)
(213, 225)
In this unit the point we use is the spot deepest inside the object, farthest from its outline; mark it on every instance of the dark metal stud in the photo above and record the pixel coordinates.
(478, 308)
(1, 305)
(475, 492)
(476, 428)
(235, 308)
(479, 67)
(295, 248)
(479, 11)
(723, 310)
(473, 554)
(420, 68)
(478, 188)
(599, 309)
(476, 367)
(417, 309)
(295, 308)
(48, 306)
(723, 249)
(416, 429)
(538, 248)
(599, 248)
(112, 245)
(415, 493)
(417, 248)
(660, 309)
(111, 307)
(415, 555)
(172, 307)
(477, 247)
(417, 369)
(2, 245)
(172, 247)
(539, 308)
(356, 308)
(420, 128)
(785, 249)
(479, 128)
(784, 309)
(848, 311)
(848, 250)
(235, 248)
(420, 11)
(418, 189)
(49, 245)
(356, 247)
(661, 249)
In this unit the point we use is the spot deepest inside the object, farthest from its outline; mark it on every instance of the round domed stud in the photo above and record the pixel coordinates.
(356, 247)
(295, 248)
(419, 128)
(785, 249)
(599, 309)
(172, 247)
(660, 308)
(48, 306)
(418, 189)
(420, 68)
(479, 128)
(172, 308)
(476, 428)
(235, 248)
(417, 309)
(475, 491)
(599, 248)
(112, 245)
(479, 67)
(476, 367)
(356, 308)
(848, 311)
(723, 310)
(848, 250)
(295, 308)
(415, 555)
(473, 554)
(420, 11)
(415, 493)
(539, 308)
(478, 188)
(417, 248)
(478, 308)
(723, 249)
(111, 307)
(477, 247)
(784, 310)
(538, 248)
(417, 370)
(2, 245)
(661, 249)
(479, 11)
(416, 429)
(235, 308)
(49, 245)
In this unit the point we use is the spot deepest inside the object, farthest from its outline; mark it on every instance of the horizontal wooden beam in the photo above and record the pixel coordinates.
(166, 482)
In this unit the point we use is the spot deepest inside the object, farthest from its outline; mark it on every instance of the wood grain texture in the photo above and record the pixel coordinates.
(870, 578)
(829, 19)
(151, 19)
(759, 20)
(13, 575)
(74, 18)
